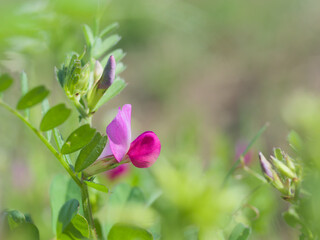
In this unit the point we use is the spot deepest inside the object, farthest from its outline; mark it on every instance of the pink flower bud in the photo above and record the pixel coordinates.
(108, 75)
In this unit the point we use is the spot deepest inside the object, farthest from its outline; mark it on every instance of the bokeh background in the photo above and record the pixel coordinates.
(205, 75)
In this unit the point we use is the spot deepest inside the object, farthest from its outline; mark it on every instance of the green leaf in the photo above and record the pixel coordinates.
(292, 218)
(15, 218)
(33, 97)
(62, 189)
(78, 139)
(109, 29)
(66, 214)
(240, 232)
(55, 117)
(278, 154)
(97, 186)
(25, 231)
(295, 141)
(127, 232)
(120, 68)
(5, 82)
(88, 35)
(99, 229)
(91, 152)
(103, 46)
(45, 107)
(24, 90)
(78, 228)
(116, 87)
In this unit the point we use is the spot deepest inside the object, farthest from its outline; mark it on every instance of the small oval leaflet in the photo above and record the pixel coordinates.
(33, 97)
(5, 82)
(54, 117)
(78, 139)
(97, 186)
(91, 152)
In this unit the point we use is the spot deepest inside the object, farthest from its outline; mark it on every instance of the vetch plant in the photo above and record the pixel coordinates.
(88, 86)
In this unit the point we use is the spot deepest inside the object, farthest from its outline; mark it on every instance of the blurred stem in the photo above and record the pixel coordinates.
(87, 208)
(253, 173)
(44, 140)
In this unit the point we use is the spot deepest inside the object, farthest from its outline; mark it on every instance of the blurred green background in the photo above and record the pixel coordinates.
(205, 75)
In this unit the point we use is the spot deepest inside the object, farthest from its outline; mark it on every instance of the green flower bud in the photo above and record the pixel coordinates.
(98, 70)
(290, 162)
(282, 168)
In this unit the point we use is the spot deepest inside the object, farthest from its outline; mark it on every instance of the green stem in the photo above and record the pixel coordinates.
(44, 140)
(87, 209)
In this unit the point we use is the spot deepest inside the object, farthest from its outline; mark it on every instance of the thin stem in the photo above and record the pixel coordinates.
(44, 140)
(87, 208)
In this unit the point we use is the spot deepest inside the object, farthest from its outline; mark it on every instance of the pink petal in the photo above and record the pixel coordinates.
(145, 150)
(119, 132)
(106, 151)
(118, 171)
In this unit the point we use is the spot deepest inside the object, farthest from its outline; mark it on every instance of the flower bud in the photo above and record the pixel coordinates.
(98, 70)
(290, 162)
(101, 86)
(266, 167)
(282, 168)
(108, 75)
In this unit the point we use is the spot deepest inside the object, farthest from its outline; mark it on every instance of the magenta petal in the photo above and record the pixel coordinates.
(119, 132)
(145, 150)
(118, 171)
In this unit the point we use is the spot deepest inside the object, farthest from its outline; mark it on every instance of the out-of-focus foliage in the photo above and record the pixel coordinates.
(205, 74)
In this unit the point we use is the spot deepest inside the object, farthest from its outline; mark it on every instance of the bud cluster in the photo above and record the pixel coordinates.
(83, 83)
(282, 172)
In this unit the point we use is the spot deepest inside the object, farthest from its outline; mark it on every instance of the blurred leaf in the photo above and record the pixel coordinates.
(101, 47)
(88, 35)
(127, 232)
(25, 231)
(278, 154)
(24, 90)
(45, 107)
(78, 139)
(291, 217)
(118, 56)
(240, 232)
(33, 97)
(17, 226)
(109, 29)
(97, 186)
(120, 68)
(120, 194)
(98, 229)
(295, 140)
(55, 117)
(62, 189)
(116, 87)
(15, 218)
(136, 196)
(91, 152)
(78, 228)
(5, 82)
(66, 214)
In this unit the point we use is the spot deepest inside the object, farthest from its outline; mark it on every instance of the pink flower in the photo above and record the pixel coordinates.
(142, 152)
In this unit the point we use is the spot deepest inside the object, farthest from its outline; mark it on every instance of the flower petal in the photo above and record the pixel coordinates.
(119, 132)
(118, 171)
(106, 151)
(144, 150)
